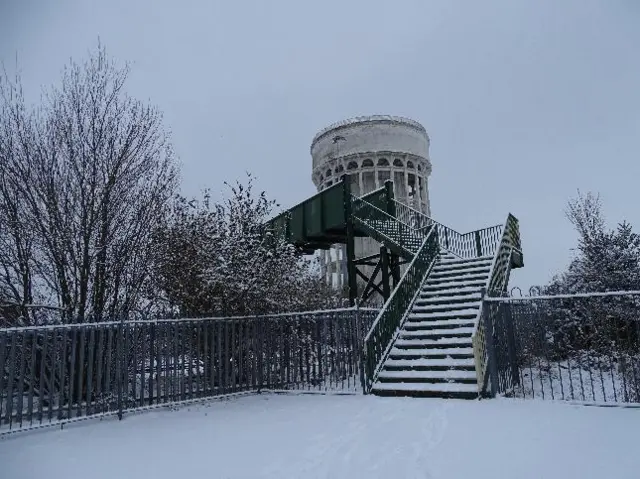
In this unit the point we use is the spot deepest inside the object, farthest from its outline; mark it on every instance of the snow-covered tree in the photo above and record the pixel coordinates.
(218, 259)
(85, 179)
(605, 260)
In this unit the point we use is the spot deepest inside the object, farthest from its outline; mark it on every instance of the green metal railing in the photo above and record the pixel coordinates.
(380, 338)
(387, 229)
(377, 198)
(496, 286)
(474, 244)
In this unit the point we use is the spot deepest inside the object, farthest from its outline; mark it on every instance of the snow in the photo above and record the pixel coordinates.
(438, 332)
(430, 351)
(413, 325)
(571, 380)
(338, 437)
(432, 363)
(444, 375)
(445, 314)
(440, 270)
(400, 343)
(427, 387)
(445, 301)
(453, 289)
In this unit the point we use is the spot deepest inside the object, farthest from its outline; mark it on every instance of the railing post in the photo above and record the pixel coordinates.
(478, 244)
(511, 342)
(388, 192)
(351, 253)
(119, 366)
(384, 259)
(152, 367)
(492, 365)
(359, 347)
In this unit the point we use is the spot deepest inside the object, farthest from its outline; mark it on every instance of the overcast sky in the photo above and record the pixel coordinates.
(524, 101)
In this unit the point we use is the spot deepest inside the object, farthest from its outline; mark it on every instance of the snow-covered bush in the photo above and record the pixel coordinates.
(217, 259)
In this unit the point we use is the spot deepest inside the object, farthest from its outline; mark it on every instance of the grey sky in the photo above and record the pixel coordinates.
(524, 101)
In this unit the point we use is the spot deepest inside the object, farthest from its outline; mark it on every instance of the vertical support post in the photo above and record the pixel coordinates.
(393, 259)
(492, 365)
(384, 260)
(388, 192)
(395, 270)
(511, 342)
(351, 253)
(119, 365)
(152, 366)
(478, 244)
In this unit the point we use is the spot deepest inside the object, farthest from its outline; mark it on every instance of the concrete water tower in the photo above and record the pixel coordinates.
(372, 149)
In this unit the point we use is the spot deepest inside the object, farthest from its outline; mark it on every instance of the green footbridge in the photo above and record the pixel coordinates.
(444, 274)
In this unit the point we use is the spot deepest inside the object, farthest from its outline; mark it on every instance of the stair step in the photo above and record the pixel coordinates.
(441, 272)
(437, 333)
(429, 364)
(452, 375)
(460, 266)
(422, 325)
(454, 289)
(459, 314)
(442, 390)
(455, 280)
(434, 299)
(431, 353)
(432, 343)
(444, 307)
(469, 260)
(462, 262)
(454, 286)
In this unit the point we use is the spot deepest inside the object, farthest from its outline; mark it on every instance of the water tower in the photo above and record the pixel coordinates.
(371, 149)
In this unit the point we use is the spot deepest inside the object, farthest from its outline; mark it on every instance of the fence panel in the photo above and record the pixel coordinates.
(575, 347)
(58, 373)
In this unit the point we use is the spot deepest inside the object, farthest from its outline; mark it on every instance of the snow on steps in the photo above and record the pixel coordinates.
(433, 354)
(431, 364)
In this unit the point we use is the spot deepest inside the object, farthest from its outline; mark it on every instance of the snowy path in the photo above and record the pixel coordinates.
(334, 437)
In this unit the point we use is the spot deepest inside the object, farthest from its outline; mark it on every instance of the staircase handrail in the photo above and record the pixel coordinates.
(375, 196)
(387, 325)
(496, 285)
(363, 211)
(482, 242)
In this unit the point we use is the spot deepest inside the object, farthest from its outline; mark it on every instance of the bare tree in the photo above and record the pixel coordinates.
(85, 180)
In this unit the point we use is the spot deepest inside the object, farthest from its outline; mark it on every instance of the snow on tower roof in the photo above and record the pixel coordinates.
(369, 119)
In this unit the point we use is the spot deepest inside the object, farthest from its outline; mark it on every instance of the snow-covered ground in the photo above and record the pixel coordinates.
(285, 436)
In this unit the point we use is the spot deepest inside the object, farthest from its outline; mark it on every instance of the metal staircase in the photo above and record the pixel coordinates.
(433, 355)
(428, 339)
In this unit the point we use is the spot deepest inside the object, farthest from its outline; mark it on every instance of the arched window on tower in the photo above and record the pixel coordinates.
(353, 165)
(383, 162)
(368, 163)
(398, 162)
(339, 169)
(328, 173)
(410, 164)
(419, 167)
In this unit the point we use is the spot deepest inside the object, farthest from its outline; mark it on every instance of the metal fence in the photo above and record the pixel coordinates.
(583, 347)
(60, 373)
